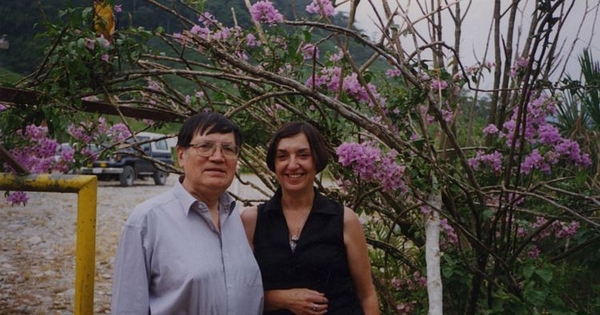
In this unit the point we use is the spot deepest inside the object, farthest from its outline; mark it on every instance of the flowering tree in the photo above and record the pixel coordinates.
(466, 213)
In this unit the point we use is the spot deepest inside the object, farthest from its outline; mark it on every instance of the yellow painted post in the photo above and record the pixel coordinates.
(86, 187)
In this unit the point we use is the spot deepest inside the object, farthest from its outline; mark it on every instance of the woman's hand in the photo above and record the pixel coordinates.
(298, 301)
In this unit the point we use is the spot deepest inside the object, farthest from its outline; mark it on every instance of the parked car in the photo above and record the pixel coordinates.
(125, 166)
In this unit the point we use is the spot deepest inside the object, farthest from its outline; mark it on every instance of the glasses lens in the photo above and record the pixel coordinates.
(229, 151)
(208, 148)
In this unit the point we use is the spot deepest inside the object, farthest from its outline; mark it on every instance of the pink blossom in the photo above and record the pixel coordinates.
(222, 34)
(404, 308)
(394, 72)
(321, 7)
(549, 134)
(532, 161)
(195, 29)
(438, 85)
(104, 42)
(310, 51)
(17, 198)
(90, 43)
(351, 85)
(540, 136)
(154, 85)
(396, 283)
(207, 19)
(490, 129)
(425, 209)
(105, 57)
(118, 132)
(369, 164)
(566, 230)
(337, 56)
(448, 231)
(2, 107)
(263, 11)
(34, 132)
(178, 37)
(251, 40)
(534, 253)
(118, 8)
(492, 160)
(447, 115)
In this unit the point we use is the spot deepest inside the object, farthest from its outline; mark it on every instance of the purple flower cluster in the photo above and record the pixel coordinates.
(37, 152)
(368, 162)
(413, 282)
(520, 64)
(263, 11)
(448, 230)
(559, 229)
(492, 160)
(337, 56)
(67, 155)
(438, 85)
(547, 146)
(330, 78)
(310, 51)
(17, 198)
(392, 73)
(85, 132)
(321, 7)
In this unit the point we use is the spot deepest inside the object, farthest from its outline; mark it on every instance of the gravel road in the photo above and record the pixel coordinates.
(37, 246)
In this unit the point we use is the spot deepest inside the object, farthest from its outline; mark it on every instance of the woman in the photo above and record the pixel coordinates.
(311, 250)
(185, 251)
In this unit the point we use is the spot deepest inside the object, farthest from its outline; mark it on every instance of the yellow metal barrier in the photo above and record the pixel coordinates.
(86, 187)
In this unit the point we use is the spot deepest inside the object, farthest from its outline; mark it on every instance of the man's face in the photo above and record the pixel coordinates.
(213, 173)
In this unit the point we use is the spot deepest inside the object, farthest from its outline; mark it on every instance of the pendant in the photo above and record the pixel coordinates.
(294, 242)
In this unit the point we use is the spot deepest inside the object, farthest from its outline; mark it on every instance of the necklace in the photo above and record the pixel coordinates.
(296, 236)
(294, 242)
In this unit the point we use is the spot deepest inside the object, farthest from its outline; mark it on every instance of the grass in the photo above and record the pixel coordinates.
(8, 78)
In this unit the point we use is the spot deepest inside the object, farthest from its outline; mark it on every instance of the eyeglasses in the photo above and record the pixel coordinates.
(208, 148)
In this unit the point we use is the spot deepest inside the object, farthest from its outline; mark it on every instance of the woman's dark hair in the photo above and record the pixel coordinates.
(315, 140)
(207, 122)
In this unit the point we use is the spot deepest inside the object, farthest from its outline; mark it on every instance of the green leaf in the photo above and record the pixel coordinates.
(488, 213)
(545, 274)
(534, 295)
(581, 177)
(528, 271)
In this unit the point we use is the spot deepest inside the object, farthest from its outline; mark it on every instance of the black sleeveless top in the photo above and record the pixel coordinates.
(319, 262)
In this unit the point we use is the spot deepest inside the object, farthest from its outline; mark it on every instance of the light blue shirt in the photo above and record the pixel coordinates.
(172, 260)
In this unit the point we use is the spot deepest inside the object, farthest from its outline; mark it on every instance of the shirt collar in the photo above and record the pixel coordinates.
(188, 201)
(321, 204)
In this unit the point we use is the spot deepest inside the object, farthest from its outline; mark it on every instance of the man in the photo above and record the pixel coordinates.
(185, 251)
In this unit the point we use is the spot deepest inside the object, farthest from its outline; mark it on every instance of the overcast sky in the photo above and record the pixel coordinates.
(477, 26)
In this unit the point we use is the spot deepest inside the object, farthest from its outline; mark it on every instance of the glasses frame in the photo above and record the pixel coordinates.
(196, 149)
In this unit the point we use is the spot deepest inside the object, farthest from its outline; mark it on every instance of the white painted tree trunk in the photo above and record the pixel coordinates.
(432, 255)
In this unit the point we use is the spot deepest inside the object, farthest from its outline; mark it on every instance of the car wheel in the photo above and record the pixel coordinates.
(160, 178)
(127, 176)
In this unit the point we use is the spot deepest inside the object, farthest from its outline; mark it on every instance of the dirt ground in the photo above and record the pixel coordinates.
(37, 246)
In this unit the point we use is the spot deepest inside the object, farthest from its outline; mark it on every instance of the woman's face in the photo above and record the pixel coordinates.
(294, 164)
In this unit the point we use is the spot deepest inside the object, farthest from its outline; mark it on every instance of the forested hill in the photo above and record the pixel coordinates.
(22, 20)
